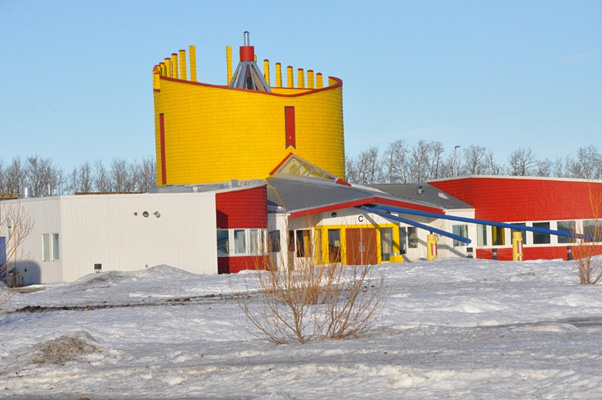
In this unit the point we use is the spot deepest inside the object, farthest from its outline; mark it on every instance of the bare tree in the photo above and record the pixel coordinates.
(102, 182)
(351, 170)
(81, 179)
(475, 160)
(120, 176)
(43, 177)
(521, 162)
(369, 167)
(394, 163)
(543, 168)
(588, 164)
(435, 159)
(15, 176)
(3, 183)
(144, 174)
(419, 162)
(15, 226)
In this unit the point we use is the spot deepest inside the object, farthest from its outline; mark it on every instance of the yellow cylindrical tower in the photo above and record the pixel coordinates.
(319, 80)
(209, 133)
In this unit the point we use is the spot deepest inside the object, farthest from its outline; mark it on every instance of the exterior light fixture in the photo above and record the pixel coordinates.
(157, 214)
(145, 214)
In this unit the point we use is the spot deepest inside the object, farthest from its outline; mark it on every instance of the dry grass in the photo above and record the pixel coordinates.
(585, 251)
(312, 301)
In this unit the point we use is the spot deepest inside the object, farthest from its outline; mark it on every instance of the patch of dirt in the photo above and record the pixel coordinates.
(72, 347)
(210, 298)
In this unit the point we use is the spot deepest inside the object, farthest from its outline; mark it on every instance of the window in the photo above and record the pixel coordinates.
(541, 238)
(460, 230)
(274, 241)
(498, 236)
(386, 243)
(254, 241)
(412, 237)
(403, 240)
(568, 227)
(291, 241)
(46, 247)
(481, 235)
(55, 246)
(50, 246)
(240, 242)
(523, 233)
(223, 245)
(591, 227)
(303, 243)
(334, 245)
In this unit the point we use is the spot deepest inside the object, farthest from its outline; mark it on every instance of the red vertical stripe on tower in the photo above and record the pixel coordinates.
(289, 125)
(162, 138)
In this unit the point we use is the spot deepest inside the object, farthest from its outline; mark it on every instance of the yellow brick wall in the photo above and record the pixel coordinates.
(216, 133)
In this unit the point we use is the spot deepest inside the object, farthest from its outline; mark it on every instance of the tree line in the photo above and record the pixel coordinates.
(403, 162)
(43, 177)
(400, 162)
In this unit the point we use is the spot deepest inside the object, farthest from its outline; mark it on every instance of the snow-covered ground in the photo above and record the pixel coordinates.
(470, 329)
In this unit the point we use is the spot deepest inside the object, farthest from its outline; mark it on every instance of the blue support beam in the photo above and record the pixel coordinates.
(480, 221)
(414, 223)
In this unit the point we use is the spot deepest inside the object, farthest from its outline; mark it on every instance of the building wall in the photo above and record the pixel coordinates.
(112, 230)
(527, 200)
(507, 199)
(209, 133)
(243, 208)
(46, 217)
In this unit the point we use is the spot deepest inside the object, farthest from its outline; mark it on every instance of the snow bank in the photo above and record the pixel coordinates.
(450, 328)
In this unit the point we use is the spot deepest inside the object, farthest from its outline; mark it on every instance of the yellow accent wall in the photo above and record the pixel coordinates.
(322, 258)
(216, 133)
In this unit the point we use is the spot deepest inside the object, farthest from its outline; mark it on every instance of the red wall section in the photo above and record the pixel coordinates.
(523, 199)
(244, 208)
(232, 265)
(535, 253)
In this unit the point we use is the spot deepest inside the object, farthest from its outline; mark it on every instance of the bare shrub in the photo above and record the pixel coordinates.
(15, 226)
(586, 249)
(312, 301)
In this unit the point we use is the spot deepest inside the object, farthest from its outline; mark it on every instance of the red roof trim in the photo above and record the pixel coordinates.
(363, 202)
(342, 182)
(272, 172)
(338, 83)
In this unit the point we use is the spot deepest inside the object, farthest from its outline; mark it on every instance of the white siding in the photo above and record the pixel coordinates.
(44, 212)
(111, 230)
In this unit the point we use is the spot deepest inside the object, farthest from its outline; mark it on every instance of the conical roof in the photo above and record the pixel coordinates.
(247, 74)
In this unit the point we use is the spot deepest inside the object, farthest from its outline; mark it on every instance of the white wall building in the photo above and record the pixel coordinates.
(71, 234)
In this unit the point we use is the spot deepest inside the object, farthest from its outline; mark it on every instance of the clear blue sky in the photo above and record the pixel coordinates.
(76, 76)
